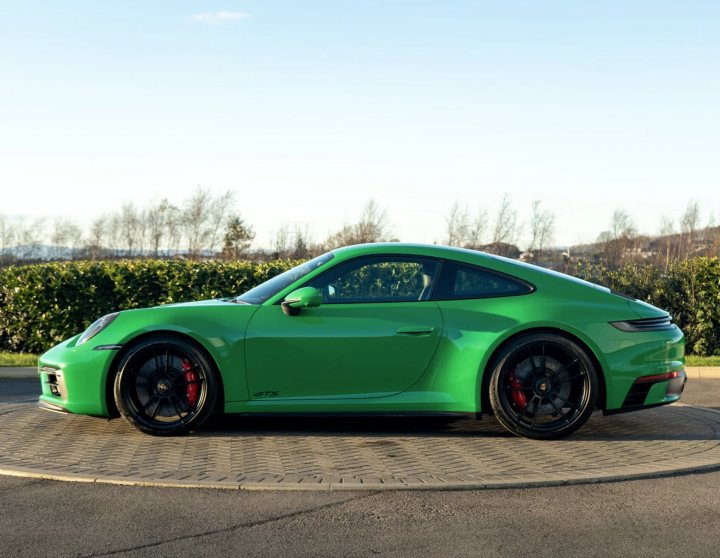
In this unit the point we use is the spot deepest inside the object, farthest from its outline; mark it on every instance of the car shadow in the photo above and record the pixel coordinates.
(648, 426)
(417, 426)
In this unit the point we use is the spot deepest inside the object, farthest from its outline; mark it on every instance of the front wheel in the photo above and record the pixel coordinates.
(543, 386)
(165, 386)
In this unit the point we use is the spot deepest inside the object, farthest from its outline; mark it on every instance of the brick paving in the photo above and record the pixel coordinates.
(356, 453)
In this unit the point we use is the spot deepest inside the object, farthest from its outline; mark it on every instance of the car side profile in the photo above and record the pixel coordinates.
(391, 328)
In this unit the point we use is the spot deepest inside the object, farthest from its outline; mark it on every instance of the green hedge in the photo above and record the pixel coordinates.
(689, 290)
(40, 305)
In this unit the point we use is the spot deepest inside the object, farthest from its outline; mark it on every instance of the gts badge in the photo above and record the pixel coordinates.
(266, 394)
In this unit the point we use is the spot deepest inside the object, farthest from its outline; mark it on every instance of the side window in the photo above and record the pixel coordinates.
(378, 279)
(464, 281)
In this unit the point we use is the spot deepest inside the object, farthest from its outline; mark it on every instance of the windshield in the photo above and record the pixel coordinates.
(271, 287)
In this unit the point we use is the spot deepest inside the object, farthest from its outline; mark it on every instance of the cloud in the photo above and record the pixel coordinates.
(214, 18)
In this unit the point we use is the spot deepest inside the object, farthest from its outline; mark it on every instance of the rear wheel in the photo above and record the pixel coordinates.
(165, 386)
(543, 386)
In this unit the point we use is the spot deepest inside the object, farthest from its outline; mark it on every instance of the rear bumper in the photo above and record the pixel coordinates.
(652, 391)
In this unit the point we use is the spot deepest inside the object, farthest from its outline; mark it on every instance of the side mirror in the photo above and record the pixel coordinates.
(307, 297)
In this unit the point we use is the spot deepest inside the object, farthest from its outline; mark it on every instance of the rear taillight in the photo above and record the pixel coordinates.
(658, 377)
(663, 323)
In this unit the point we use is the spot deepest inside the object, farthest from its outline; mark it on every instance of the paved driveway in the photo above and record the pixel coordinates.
(676, 516)
(356, 453)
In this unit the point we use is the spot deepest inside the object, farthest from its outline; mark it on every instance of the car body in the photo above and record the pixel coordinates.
(379, 328)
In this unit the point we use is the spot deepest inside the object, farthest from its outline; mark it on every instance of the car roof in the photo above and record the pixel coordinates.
(435, 250)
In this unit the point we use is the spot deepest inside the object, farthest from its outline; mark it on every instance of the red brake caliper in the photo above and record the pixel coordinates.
(191, 377)
(517, 395)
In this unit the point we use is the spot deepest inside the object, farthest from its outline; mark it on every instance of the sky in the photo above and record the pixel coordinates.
(308, 109)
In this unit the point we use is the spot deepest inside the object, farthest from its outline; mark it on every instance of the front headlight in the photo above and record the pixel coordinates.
(97, 327)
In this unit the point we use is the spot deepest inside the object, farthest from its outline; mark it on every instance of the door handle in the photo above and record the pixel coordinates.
(415, 330)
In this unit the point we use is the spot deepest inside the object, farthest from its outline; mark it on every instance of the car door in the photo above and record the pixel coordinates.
(374, 335)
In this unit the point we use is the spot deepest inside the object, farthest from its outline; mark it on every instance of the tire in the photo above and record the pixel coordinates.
(543, 386)
(165, 386)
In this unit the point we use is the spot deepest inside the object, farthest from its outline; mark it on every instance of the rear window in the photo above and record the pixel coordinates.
(458, 281)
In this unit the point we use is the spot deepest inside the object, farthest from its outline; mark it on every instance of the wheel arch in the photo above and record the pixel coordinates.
(490, 363)
(112, 370)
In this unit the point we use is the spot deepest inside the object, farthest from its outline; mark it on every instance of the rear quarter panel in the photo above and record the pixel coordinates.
(476, 329)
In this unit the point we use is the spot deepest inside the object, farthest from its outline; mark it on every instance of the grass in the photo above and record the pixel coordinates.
(27, 359)
(17, 359)
(692, 360)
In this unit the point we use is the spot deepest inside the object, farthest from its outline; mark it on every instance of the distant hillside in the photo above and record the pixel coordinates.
(704, 242)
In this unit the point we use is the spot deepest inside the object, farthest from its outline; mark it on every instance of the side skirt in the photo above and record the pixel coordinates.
(369, 414)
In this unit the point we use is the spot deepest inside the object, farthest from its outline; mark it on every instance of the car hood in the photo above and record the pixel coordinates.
(204, 303)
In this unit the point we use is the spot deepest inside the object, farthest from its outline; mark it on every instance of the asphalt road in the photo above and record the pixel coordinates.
(677, 516)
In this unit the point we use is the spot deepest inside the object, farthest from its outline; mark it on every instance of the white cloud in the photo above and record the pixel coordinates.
(213, 18)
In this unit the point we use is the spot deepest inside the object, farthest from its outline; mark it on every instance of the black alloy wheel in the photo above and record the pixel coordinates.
(543, 386)
(165, 386)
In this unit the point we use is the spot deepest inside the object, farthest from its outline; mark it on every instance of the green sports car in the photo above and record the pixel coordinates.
(394, 329)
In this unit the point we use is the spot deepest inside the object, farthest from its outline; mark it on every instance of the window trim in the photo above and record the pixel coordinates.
(442, 263)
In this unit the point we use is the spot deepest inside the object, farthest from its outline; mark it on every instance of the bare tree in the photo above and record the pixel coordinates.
(689, 225)
(281, 242)
(129, 225)
(622, 224)
(203, 219)
(96, 235)
(29, 240)
(604, 237)
(66, 237)
(141, 232)
(7, 236)
(542, 228)
(373, 224)
(505, 228)
(457, 225)
(173, 229)
(343, 237)
(128, 232)
(547, 232)
(156, 219)
(194, 221)
(667, 230)
(463, 231)
(372, 227)
(58, 239)
(303, 246)
(476, 230)
(113, 233)
(505, 222)
(219, 214)
(619, 238)
(712, 235)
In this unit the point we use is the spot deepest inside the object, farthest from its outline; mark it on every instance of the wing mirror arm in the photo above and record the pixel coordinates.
(306, 297)
(288, 309)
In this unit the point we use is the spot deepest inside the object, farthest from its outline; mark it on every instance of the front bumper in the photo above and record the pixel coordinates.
(45, 406)
(74, 379)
